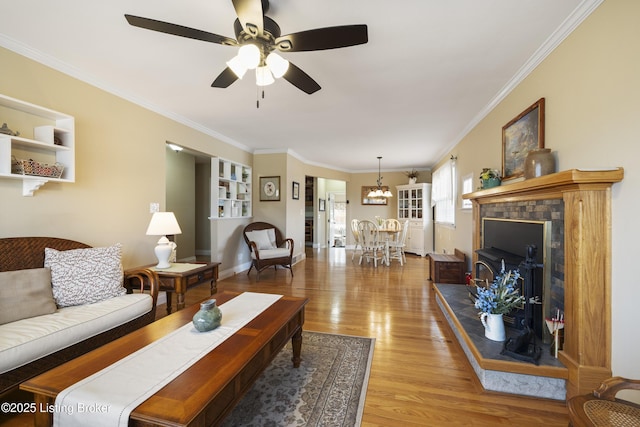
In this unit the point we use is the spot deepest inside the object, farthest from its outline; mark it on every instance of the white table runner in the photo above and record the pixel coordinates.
(108, 397)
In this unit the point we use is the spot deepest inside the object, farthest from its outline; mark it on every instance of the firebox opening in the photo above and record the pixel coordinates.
(507, 240)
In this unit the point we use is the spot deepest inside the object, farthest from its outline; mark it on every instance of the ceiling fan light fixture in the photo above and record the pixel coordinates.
(277, 65)
(236, 65)
(264, 76)
(249, 54)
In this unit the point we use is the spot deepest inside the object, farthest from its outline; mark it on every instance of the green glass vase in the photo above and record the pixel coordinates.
(208, 317)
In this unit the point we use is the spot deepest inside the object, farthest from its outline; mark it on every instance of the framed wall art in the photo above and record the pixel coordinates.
(295, 191)
(519, 136)
(269, 188)
(379, 201)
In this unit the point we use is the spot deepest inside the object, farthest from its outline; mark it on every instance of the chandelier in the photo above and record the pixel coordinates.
(377, 193)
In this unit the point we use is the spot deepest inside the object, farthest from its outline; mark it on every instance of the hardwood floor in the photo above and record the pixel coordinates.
(419, 374)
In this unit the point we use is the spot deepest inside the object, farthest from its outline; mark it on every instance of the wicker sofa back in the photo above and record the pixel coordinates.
(18, 253)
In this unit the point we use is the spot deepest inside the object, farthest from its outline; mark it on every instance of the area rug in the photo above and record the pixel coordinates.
(328, 389)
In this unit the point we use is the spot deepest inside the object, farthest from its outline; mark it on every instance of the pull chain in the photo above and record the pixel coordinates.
(258, 96)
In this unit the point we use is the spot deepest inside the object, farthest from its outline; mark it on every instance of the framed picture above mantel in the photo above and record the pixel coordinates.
(519, 136)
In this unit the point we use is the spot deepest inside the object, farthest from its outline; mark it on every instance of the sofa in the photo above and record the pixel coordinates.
(61, 298)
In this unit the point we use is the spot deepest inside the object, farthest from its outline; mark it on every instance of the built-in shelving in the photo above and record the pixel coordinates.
(45, 136)
(231, 192)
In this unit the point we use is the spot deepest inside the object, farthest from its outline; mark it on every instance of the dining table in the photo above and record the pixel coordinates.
(389, 235)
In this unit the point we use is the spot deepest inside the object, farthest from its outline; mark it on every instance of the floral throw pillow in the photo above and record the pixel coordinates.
(85, 276)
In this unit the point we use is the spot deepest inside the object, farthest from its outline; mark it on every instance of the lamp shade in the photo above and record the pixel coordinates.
(237, 66)
(277, 64)
(264, 76)
(162, 224)
(249, 54)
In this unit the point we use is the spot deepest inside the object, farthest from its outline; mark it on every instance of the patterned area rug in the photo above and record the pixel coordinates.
(328, 389)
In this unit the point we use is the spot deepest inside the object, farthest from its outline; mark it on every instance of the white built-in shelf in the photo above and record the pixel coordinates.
(46, 137)
(231, 189)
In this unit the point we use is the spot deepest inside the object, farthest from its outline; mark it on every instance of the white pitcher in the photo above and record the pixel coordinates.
(493, 326)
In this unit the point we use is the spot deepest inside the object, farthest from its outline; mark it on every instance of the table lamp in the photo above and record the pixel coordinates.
(163, 224)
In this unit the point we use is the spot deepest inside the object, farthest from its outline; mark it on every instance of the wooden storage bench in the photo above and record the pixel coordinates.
(447, 268)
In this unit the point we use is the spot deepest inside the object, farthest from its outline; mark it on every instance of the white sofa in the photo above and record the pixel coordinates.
(37, 334)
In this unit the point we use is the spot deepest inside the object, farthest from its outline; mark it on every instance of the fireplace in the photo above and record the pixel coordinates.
(578, 204)
(506, 242)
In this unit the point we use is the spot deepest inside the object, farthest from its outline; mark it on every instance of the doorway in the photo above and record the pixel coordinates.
(337, 220)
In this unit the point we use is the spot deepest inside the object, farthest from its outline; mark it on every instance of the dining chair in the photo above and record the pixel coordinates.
(372, 247)
(396, 248)
(356, 237)
(391, 224)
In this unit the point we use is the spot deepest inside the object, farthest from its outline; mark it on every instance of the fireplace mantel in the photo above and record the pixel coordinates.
(586, 195)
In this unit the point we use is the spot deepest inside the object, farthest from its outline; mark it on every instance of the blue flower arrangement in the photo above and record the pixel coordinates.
(502, 296)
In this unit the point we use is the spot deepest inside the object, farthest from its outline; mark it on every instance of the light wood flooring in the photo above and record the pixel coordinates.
(419, 374)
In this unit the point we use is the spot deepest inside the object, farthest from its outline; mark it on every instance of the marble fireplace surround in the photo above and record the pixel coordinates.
(584, 196)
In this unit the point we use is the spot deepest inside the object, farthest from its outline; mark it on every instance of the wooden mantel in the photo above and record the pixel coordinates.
(587, 282)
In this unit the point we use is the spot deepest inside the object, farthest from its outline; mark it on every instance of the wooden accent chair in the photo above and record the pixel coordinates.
(601, 408)
(268, 247)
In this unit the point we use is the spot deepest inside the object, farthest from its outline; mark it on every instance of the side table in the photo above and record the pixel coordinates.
(182, 276)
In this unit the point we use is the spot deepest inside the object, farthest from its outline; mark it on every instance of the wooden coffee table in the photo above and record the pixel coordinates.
(206, 392)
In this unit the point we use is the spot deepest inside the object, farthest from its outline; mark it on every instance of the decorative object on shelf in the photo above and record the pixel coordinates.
(208, 317)
(321, 205)
(539, 162)
(489, 178)
(379, 192)
(269, 188)
(33, 168)
(521, 135)
(498, 298)
(163, 224)
(413, 176)
(295, 191)
(5, 130)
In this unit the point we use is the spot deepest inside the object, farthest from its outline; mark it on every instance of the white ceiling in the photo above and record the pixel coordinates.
(430, 71)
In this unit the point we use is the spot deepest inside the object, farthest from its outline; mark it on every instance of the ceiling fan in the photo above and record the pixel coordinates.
(259, 37)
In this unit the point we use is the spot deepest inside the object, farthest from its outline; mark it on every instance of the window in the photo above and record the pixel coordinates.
(467, 187)
(443, 193)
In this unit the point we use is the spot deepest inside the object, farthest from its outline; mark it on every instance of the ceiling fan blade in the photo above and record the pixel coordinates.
(251, 15)
(226, 77)
(323, 38)
(178, 30)
(300, 79)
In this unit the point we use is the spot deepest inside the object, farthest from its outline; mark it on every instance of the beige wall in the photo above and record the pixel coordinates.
(591, 86)
(120, 164)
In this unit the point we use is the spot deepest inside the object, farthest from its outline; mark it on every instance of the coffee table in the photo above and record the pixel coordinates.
(206, 392)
